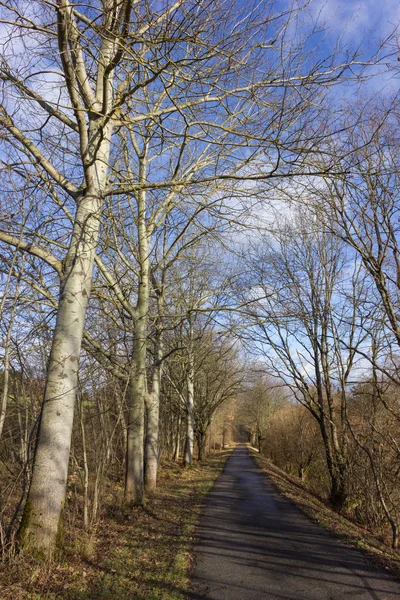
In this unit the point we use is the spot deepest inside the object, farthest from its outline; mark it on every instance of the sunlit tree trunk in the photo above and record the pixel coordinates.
(46, 496)
(152, 430)
(134, 475)
(178, 438)
(85, 468)
(188, 457)
(153, 402)
(91, 98)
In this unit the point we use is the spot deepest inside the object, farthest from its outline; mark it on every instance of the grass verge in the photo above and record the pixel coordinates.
(138, 554)
(349, 532)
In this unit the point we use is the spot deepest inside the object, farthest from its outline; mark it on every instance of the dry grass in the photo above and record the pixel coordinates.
(141, 554)
(293, 488)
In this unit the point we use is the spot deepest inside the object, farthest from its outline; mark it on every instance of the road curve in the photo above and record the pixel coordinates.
(256, 545)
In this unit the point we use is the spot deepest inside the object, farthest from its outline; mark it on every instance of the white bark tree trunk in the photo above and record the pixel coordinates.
(153, 399)
(178, 439)
(152, 413)
(40, 525)
(92, 107)
(151, 447)
(188, 458)
(46, 496)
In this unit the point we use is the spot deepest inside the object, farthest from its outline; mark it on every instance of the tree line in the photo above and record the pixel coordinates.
(145, 149)
(326, 321)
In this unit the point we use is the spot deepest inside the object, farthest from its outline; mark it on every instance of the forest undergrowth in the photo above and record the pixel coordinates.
(143, 553)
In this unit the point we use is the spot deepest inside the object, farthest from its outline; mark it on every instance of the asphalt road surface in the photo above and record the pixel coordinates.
(254, 544)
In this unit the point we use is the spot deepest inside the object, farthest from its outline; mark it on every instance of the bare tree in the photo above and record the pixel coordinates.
(301, 319)
(218, 379)
(84, 115)
(362, 209)
(257, 405)
(199, 66)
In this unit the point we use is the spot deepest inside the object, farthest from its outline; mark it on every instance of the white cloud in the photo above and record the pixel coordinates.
(356, 19)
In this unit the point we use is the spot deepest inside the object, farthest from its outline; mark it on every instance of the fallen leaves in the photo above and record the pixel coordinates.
(143, 553)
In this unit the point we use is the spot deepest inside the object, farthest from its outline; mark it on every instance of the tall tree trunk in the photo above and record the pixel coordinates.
(188, 458)
(201, 441)
(152, 422)
(122, 414)
(7, 345)
(6, 371)
(92, 110)
(178, 438)
(134, 475)
(85, 468)
(259, 440)
(337, 494)
(153, 399)
(46, 498)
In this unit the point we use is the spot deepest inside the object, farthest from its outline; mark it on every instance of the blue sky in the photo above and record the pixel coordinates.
(359, 19)
(364, 24)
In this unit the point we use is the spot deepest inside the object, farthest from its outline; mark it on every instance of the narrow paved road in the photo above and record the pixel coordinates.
(254, 544)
